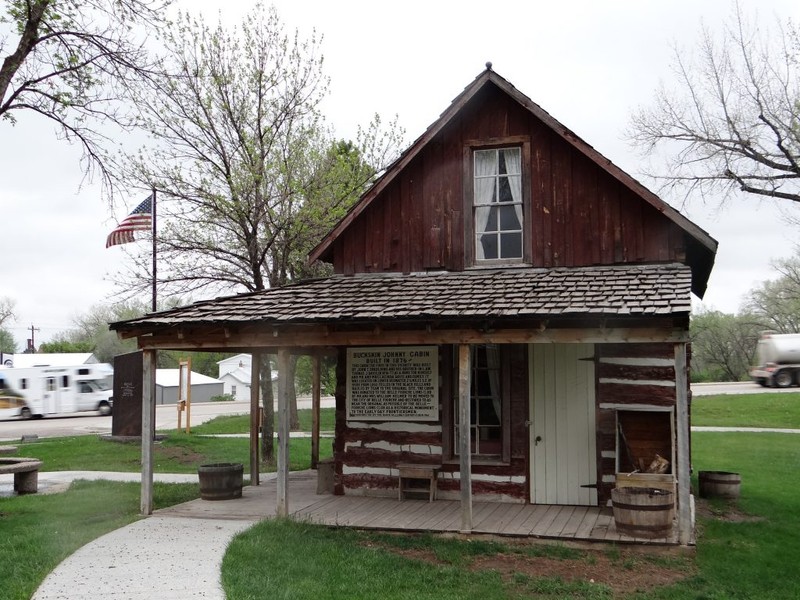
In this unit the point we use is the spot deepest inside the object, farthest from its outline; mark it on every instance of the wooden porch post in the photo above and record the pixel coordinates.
(283, 433)
(684, 460)
(464, 450)
(148, 429)
(316, 393)
(255, 421)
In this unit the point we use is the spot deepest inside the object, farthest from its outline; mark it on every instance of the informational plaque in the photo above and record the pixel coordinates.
(399, 383)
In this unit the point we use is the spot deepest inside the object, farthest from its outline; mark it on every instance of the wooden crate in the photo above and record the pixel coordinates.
(651, 480)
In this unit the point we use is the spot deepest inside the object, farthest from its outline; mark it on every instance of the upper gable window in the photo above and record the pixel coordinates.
(498, 215)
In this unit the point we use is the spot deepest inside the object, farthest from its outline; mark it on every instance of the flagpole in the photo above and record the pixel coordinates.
(154, 249)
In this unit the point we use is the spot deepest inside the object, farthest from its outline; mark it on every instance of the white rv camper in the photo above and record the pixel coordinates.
(53, 390)
(11, 401)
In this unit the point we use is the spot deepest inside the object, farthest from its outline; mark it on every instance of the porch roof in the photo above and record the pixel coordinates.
(659, 290)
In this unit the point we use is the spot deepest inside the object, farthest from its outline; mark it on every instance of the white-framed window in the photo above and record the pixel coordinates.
(498, 204)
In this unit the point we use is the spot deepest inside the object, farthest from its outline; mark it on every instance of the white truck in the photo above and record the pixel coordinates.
(53, 390)
(778, 360)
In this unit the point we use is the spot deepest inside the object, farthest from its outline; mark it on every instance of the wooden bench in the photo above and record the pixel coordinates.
(8, 449)
(26, 473)
(409, 473)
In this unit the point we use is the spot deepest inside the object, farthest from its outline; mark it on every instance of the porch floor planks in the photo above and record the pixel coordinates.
(540, 528)
(512, 527)
(571, 524)
(406, 510)
(586, 523)
(321, 512)
(433, 518)
(380, 513)
(339, 513)
(501, 518)
(559, 522)
(482, 513)
(535, 513)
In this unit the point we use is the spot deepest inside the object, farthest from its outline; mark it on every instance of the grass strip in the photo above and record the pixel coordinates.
(775, 410)
(39, 531)
(178, 453)
(227, 424)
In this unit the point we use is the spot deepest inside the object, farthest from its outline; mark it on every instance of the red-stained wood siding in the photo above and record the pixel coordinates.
(579, 214)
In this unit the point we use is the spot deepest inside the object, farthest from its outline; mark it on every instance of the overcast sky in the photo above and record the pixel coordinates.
(588, 63)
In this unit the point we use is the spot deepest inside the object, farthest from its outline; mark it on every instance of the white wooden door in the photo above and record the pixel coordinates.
(562, 431)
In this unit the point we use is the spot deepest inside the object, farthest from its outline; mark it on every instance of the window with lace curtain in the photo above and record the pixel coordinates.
(499, 204)
(489, 397)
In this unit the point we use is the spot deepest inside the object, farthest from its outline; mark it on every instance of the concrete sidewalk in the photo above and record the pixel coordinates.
(165, 555)
(157, 557)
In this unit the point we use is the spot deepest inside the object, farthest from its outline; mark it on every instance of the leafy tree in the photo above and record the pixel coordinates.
(327, 370)
(7, 343)
(729, 120)
(204, 363)
(247, 171)
(723, 345)
(777, 303)
(59, 344)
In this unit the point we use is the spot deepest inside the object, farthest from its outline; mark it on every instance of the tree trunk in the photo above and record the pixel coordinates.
(268, 411)
(294, 421)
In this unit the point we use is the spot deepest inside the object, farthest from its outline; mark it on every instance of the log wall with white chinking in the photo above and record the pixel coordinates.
(367, 452)
(636, 387)
(501, 482)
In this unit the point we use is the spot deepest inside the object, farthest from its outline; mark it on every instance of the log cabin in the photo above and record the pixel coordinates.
(509, 311)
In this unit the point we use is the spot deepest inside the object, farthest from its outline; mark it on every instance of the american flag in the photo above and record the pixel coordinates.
(140, 219)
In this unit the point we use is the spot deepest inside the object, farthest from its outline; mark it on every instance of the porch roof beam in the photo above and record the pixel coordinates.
(309, 340)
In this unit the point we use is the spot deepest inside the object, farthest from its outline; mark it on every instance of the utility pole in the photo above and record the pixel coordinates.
(32, 341)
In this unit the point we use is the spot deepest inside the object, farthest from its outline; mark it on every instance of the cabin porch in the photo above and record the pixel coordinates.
(551, 522)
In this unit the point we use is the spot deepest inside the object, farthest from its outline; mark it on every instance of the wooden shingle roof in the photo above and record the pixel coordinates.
(508, 294)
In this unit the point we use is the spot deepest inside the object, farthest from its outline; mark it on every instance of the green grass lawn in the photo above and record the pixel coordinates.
(777, 410)
(746, 549)
(179, 452)
(39, 531)
(241, 423)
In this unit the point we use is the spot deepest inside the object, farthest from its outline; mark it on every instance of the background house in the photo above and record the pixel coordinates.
(234, 373)
(203, 388)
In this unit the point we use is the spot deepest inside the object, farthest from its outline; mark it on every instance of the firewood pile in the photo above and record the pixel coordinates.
(659, 465)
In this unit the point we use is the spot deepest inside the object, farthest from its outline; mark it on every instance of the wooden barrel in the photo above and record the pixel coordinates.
(220, 481)
(719, 484)
(643, 512)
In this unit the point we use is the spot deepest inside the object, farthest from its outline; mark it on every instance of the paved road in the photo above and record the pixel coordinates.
(742, 387)
(91, 423)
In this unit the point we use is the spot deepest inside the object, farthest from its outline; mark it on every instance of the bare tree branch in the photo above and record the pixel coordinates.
(72, 62)
(731, 118)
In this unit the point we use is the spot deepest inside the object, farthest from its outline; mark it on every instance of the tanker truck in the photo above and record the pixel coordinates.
(778, 360)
